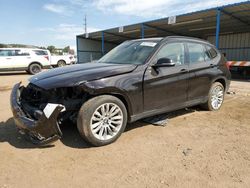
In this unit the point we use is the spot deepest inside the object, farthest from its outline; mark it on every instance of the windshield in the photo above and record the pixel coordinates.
(130, 52)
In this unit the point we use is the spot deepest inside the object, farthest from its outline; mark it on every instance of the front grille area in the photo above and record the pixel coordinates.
(34, 96)
(34, 99)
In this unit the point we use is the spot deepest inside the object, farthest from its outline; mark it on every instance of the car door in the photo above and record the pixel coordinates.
(201, 69)
(6, 59)
(21, 59)
(166, 87)
(3, 61)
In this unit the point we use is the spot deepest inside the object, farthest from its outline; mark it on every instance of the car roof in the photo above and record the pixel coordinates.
(150, 39)
(22, 49)
(191, 39)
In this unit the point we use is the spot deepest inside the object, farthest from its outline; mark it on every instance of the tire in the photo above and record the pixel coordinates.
(215, 97)
(97, 128)
(34, 68)
(61, 63)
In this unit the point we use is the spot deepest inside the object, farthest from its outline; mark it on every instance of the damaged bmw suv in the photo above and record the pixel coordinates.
(137, 79)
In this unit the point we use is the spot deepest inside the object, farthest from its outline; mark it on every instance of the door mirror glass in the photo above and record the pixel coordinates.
(165, 62)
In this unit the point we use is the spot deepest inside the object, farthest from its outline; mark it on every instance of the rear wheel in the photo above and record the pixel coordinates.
(61, 63)
(34, 68)
(215, 97)
(102, 119)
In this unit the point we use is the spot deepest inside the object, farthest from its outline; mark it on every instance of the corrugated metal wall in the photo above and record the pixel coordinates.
(89, 50)
(236, 46)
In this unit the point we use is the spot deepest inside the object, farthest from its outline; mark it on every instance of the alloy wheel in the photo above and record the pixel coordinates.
(217, 97)
(106, 121)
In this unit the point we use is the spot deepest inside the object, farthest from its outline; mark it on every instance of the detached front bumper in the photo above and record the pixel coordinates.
(42, 131)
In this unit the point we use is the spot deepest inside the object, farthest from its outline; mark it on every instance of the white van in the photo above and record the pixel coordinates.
(31, 60)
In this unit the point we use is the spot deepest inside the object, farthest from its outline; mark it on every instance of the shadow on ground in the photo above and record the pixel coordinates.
(13, 73)
(71, 136)
(9, 133)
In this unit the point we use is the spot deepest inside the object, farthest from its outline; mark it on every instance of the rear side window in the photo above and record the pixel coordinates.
(40, 52)
(21, 53)
(7, 52)
(196, 53)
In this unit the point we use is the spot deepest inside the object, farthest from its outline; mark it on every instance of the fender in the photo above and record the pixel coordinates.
(98, 88)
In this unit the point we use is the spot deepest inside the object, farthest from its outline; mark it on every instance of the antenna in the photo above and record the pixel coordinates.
(85, 26)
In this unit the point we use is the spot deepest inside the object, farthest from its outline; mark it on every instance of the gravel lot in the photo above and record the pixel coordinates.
(196, 149)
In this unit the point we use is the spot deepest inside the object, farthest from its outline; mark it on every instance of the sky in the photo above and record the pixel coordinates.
(57, 22)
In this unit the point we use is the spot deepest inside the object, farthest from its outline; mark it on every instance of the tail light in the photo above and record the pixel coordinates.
(47, 57)
(70, 57)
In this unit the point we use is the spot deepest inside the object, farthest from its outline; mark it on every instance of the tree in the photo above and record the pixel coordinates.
(52, 49)
(42, 47)
(66, 49)
(2, 46)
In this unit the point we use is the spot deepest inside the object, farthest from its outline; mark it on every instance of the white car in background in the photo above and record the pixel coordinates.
(31, 60)
(62, 60)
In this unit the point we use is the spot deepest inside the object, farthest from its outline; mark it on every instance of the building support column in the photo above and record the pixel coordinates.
(217, 36)
(142, 31)
(77, 49)
(103, 49)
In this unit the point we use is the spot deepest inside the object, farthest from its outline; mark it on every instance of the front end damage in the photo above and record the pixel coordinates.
(38, 113)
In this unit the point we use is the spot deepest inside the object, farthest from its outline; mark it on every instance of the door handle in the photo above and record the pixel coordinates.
(183, 70)
(8, 58)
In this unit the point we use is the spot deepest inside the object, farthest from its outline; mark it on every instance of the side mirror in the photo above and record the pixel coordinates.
(164, 62)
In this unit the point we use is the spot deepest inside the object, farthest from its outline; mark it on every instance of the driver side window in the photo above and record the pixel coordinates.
(173, 51)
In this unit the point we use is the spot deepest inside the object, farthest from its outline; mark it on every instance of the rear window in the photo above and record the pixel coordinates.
(40, 52)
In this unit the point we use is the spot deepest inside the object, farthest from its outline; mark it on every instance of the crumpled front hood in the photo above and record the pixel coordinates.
(75, 74)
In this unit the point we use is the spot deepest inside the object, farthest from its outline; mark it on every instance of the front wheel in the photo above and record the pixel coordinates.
(215, 97)
(101, 120)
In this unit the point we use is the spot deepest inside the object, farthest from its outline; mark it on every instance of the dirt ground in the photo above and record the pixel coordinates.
(195, 149)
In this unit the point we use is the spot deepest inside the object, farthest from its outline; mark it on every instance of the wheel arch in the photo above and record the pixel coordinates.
(221, 80)
(61, 60)
(124, 101)
(116, 92)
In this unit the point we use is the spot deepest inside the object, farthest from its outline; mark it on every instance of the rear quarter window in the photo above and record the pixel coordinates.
(40, 52)
(212, 52)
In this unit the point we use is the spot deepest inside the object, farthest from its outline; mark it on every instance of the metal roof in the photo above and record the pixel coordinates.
(235, 18)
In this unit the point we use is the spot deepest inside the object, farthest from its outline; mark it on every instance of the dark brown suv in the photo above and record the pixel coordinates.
(137, 79)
